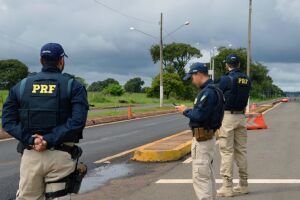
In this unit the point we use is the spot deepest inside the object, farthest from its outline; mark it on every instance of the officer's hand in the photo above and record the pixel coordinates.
(181, 108)
(39, 143)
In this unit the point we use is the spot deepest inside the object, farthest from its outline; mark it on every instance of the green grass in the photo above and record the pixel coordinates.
(3, 95)
(99, 100)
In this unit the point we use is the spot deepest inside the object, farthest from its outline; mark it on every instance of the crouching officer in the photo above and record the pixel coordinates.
(205, 119)
(233, 133)
(47, 112)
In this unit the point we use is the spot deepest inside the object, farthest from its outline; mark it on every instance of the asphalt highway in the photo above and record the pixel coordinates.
(99, 142)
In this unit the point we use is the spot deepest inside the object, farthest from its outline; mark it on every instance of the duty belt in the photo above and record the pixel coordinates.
(234, 112)
(202, 134)
(70, 148)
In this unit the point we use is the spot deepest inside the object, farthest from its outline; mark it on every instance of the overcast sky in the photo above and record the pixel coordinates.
(100, 44)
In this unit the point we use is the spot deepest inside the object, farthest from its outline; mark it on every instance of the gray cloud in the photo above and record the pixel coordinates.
(101, 45)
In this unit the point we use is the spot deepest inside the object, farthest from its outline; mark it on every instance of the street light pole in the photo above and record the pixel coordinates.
(213, 63)
(249, 47)
(161, 87)
(249, 38)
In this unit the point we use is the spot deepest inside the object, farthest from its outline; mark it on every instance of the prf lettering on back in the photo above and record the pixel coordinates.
(43, 89)
(243, 81)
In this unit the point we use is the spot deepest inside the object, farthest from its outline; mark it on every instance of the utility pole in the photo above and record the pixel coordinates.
(249, 46)
(161, 46)
(161, 87)
(249, 38)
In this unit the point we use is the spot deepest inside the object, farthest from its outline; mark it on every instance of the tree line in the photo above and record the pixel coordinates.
(175, 58)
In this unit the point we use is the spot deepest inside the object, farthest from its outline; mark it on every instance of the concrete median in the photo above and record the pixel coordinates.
(167, 149)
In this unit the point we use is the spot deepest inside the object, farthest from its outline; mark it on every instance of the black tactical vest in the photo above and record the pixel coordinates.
(45, 101)
(237, 96)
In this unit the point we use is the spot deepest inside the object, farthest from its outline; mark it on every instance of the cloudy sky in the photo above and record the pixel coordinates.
(100, 44)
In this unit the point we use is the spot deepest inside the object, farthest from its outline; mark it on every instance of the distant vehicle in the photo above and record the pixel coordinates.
(285, 100)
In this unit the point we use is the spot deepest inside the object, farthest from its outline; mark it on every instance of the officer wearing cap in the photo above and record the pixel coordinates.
(233, 133)
(46, 112)
(205, 118)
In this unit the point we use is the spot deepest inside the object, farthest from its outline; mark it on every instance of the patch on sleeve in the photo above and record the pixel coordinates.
(195, 100)
(202, 98)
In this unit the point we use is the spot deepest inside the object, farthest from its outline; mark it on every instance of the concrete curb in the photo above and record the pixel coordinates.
(167, 149)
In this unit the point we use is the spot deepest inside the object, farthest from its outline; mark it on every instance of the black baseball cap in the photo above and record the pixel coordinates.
(232, 59)
(195, 68)
(53, 51)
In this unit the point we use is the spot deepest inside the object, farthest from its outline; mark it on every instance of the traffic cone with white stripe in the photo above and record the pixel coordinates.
(256, 121)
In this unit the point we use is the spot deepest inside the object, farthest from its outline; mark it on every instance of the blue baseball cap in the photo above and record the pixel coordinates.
(53, 51)
(195, 68)
(232, 59)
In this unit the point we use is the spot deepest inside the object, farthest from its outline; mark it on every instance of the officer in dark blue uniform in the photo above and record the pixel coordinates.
(205, 119)
(233, 133)
(47, 112)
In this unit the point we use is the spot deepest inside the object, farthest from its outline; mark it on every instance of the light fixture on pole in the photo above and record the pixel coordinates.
(161, 88)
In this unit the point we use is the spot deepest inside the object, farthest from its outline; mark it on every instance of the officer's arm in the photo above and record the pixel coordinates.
(75, 122)
(225, 83)
(202, 110)
(10, 119)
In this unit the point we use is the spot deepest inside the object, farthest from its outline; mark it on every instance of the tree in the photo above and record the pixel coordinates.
(262, 83)
(82, 81)
(175, 56)
(114, 90)
(134, 85)
(173, 86)
(98, 86)
(11, 72)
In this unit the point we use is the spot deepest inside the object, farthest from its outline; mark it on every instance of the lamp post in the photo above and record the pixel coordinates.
(161, 87)
(249, 48)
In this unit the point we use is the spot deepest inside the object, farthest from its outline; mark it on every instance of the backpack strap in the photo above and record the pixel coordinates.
(22, 88)
(69, 89)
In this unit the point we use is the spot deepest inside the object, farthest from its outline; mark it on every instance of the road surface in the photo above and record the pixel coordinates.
(274, 164)
(99, 142)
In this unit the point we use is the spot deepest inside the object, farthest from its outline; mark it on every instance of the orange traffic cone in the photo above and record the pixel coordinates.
(129, 113)
(256, 121)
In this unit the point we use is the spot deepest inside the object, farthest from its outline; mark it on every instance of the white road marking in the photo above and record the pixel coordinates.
(252, 181)
(8, 139)
(124, 153)
(187, 161)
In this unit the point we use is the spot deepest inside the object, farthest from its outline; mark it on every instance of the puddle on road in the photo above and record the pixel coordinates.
(99, 176)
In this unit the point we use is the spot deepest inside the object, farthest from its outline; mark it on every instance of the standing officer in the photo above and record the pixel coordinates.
(233, 133)
(205, 119)
(47, 112)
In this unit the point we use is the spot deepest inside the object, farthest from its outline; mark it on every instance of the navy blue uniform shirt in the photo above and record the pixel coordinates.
(11, 123)
(204, 111)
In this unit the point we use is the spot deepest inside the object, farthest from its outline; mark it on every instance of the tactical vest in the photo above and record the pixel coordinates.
(216, 117)
(45, 101)
(237, 97)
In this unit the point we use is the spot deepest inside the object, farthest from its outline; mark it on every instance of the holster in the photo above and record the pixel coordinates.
(72, 181)
(21, 147)
(202, 134)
